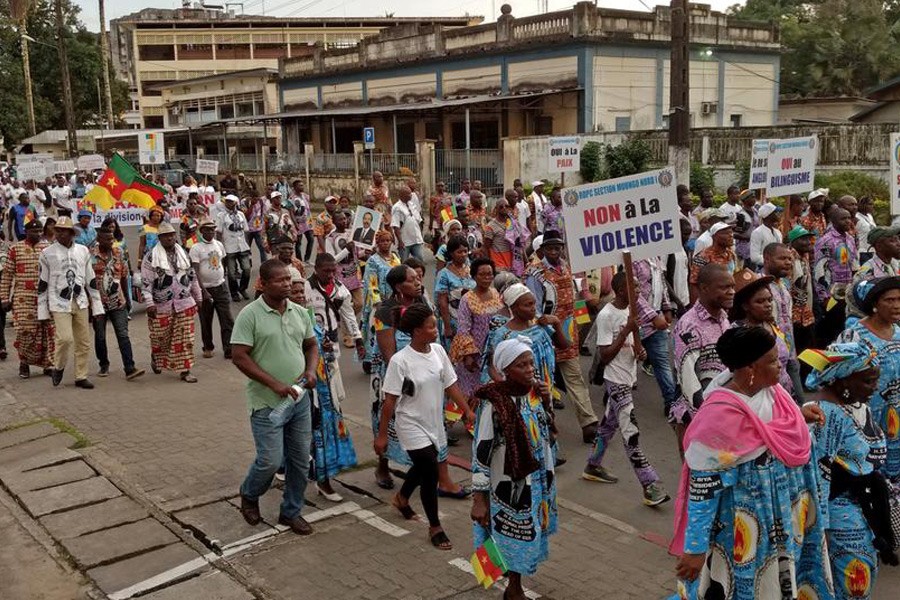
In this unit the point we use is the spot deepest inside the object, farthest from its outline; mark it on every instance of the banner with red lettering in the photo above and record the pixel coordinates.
(638, 213)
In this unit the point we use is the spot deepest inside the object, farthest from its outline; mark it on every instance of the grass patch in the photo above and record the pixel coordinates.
(81, 440)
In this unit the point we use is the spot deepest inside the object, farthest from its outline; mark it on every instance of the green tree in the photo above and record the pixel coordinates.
(627, 158)
(591, 162)
(85, 64)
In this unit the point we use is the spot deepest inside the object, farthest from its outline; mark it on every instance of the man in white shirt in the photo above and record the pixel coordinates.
(538, 200)
(523, 212)
(66, 289)
(865, 223)
(730, 209)
(232, 226)
(414, 188)
(62, 197)
(207, 257)
(767, 233)
(405, 221)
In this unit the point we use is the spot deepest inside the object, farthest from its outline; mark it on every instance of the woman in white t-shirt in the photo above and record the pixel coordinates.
(417, 378)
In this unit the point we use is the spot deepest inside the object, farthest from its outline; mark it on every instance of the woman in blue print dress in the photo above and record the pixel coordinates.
(849, 449)
(879, 299)
(747, 524)
(513, 478)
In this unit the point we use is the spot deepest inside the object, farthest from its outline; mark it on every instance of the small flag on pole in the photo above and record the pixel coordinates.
(448, 213)
(582, 317)
(452, 413)
(488, 564)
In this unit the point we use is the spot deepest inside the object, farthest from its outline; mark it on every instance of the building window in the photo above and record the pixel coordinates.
(623, 124)
(146, 85)
(269, 50)
(153, 52)
(195, 52)
(735, 120)
(482, 134)
(245, 109)
(543, 125)
(665, 121)
(153, 122)
(260, 107)
(233, 51)
(226, 111)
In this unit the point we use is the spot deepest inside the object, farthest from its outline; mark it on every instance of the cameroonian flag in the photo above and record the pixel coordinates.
(582, 317)
(122, 183)
(488, 564)
(448, 213)
(821, 359)
(452, 413)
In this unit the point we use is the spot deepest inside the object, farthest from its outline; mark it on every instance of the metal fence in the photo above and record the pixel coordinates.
(389, 164)
(333, 163)
(452, 166)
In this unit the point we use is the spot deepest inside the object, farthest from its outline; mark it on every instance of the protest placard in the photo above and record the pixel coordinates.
(759, 159)
(31, 170)
(91, 162)
(207, 167)
(151, 148)
(63, 167)
(638, 213)
(895, 173)
(791, 166)
(565, 154)
(125, 213)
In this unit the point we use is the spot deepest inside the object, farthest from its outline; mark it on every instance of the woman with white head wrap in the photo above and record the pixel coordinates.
(513, 463)
(451, 229)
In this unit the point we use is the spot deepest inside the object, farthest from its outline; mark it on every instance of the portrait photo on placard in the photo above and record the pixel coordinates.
(366, 223)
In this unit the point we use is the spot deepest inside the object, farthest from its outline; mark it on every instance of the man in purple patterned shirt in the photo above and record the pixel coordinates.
(654, 315)
(778, 262)
(835, 263)
(696, 334)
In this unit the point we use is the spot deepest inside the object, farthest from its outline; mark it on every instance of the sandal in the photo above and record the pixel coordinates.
(188, 377)
(386, 483)
(441, 541)
(462, 494)
(406, 511)
(153, 366)
(24, 372)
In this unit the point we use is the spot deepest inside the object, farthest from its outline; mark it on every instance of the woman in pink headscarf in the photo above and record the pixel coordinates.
(747, 523)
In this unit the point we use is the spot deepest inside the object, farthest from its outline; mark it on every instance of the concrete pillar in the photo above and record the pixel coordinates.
(704, 150)
(307, 161)
(512, 167)
(425, 170)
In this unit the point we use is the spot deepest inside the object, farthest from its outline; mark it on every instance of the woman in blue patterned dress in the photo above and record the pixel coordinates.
(450, 284)
(333, 450)
(849, 448)
(375, 287)
(879, 299)
(747, 524)
(513, 464)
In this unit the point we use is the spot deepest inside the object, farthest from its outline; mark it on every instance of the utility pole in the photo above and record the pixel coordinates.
(72, 144)
(679, 93)
(18, 10)
(104, 50)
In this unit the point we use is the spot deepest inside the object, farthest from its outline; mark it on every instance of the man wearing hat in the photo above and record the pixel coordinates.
(207, 258)
(885, 241)
(706, 220)
(232, 227)
(536, 201)
(172, 293)
(67, 289)
(721, 253)
(111, 272)
(279, 221)
(835, 263)
(84, 233)
(802, 293)
(19, 291)
(554, 291)
(767, 233)
(814, 221)
(747, 220)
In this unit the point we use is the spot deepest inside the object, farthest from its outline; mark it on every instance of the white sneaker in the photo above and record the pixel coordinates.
(279, 476)
(335, 497)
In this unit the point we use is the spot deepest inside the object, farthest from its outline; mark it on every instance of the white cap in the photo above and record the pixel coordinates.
(231, 197)
(718, 227)
(275, 194)
(767, 209)
(537, 242)
(817, 193)
(536, 183)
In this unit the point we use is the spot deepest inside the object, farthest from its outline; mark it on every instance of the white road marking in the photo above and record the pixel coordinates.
(600, 517)
(370, 518)
(164, 577)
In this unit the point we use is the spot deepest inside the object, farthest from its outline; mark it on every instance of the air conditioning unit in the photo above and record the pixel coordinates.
(709, 108)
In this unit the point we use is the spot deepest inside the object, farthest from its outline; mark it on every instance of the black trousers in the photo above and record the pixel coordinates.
(424, 475)
(219, 303)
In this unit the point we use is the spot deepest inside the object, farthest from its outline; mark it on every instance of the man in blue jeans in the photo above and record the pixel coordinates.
(274, 345)
(111, 273)
(654, 316)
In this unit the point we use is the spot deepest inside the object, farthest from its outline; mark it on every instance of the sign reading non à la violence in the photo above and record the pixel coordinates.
(759, 160)
(638, 213)
(207, 167)
(895, 173)
(791, 167)
(565, 154)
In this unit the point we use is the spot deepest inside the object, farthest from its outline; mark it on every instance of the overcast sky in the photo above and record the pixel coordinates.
(367, 8)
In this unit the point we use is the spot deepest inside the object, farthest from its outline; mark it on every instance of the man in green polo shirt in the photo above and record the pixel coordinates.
(274, 344)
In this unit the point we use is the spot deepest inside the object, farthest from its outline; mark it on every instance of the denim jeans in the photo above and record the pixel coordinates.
(219, 303)
(119, 320)
(288, 442)
(660, 356)
(412, 249)
(238, 282)
(257, 236)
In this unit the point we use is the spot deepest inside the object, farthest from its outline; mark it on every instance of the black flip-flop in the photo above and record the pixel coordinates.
(462, 494)
(406, 511)
(441, 541)
(385, 484)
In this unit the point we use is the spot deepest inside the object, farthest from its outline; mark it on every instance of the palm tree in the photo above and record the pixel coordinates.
(18, 10)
